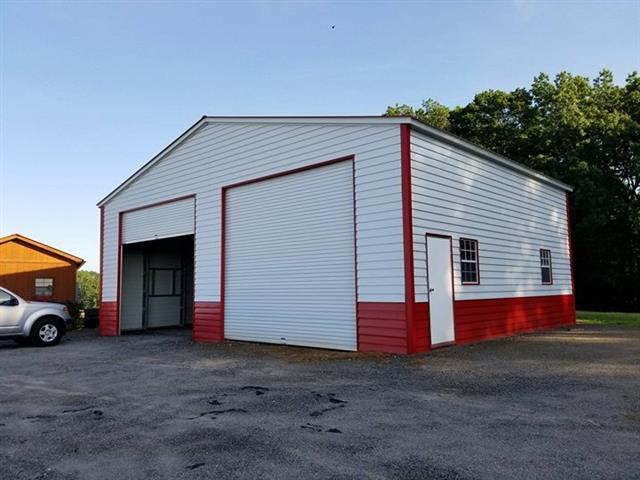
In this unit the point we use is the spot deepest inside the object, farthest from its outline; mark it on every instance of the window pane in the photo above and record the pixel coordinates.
(468, 272)
(162, 282)
(545, 257)
(44, 287)
(545, 266)
(468, 260)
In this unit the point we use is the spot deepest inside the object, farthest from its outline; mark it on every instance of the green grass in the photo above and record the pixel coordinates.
(609, 318)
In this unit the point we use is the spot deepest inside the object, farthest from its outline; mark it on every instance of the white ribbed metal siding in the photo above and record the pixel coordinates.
(512, 217)
(220, 154)
(162, 221)
(289, 259)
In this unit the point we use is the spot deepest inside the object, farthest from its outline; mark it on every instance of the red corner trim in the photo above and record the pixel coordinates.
(407, 233)
(569, 240)
(101, 255)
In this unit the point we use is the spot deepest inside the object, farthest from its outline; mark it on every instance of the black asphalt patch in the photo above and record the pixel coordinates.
(563, 404)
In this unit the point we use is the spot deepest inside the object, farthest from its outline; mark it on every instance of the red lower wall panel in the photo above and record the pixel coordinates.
(108, 320)
(207, 322)
(382, 327)
(477, 320)
(421, 329)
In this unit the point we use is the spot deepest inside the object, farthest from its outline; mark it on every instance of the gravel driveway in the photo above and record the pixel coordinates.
(562, 404)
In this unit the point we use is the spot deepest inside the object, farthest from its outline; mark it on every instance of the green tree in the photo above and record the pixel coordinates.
(88, 287)
(586, 133)
(431, 112)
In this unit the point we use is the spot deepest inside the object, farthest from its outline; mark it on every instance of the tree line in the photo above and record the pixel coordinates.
(587, 134)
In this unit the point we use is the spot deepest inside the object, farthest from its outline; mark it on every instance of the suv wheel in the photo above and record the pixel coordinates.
(46, 332)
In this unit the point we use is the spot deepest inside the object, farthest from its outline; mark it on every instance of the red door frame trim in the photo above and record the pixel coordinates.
(223, 211)
(453, 288)
(119, 272)
(223, 215)
(288, 172)
(407, 234)
(355, 251)
(101, 255)
(193, 267)
(157, 204)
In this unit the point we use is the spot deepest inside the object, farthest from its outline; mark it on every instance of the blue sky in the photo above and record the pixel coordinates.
(92, 90)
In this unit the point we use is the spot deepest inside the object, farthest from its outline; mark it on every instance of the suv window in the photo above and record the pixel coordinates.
(5, 298)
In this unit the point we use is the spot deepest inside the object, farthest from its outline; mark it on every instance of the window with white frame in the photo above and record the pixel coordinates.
(44, 287)
(469, 270)
(545, 266)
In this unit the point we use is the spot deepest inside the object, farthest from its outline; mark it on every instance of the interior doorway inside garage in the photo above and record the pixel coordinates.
(157, 284)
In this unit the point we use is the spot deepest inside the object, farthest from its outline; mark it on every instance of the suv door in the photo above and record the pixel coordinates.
(10, 313)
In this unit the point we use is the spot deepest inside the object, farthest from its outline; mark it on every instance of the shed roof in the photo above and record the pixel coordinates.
(352, 120)
(54, 251)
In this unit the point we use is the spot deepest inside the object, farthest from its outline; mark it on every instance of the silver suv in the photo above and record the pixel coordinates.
(42, 323)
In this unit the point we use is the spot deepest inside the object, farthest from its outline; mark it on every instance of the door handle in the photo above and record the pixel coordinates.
(431, 290)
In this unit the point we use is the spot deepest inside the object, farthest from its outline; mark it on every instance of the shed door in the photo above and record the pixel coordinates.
(439, 277)
(289, 259)
(172, 219)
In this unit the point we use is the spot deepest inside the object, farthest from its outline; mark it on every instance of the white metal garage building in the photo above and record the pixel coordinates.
(351, 233)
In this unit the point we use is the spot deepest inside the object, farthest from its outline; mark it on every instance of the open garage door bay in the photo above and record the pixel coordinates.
(290, 259)
(157, 266)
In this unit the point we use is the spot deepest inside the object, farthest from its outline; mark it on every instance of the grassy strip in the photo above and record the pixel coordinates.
(609, 318)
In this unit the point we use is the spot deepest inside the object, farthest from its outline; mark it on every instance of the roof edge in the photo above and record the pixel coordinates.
(182, 137)
(61, 253)
(488, 154)
(362, 119)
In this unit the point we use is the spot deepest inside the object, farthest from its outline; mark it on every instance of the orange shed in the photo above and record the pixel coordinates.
(36, 271)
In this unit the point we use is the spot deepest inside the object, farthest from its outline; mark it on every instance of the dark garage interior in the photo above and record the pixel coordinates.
(157, 284)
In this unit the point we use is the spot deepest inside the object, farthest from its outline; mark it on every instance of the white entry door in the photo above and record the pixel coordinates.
(439, 276)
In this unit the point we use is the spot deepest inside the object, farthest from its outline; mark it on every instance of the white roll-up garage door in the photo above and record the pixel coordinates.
(289, 259)
(162, 221)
